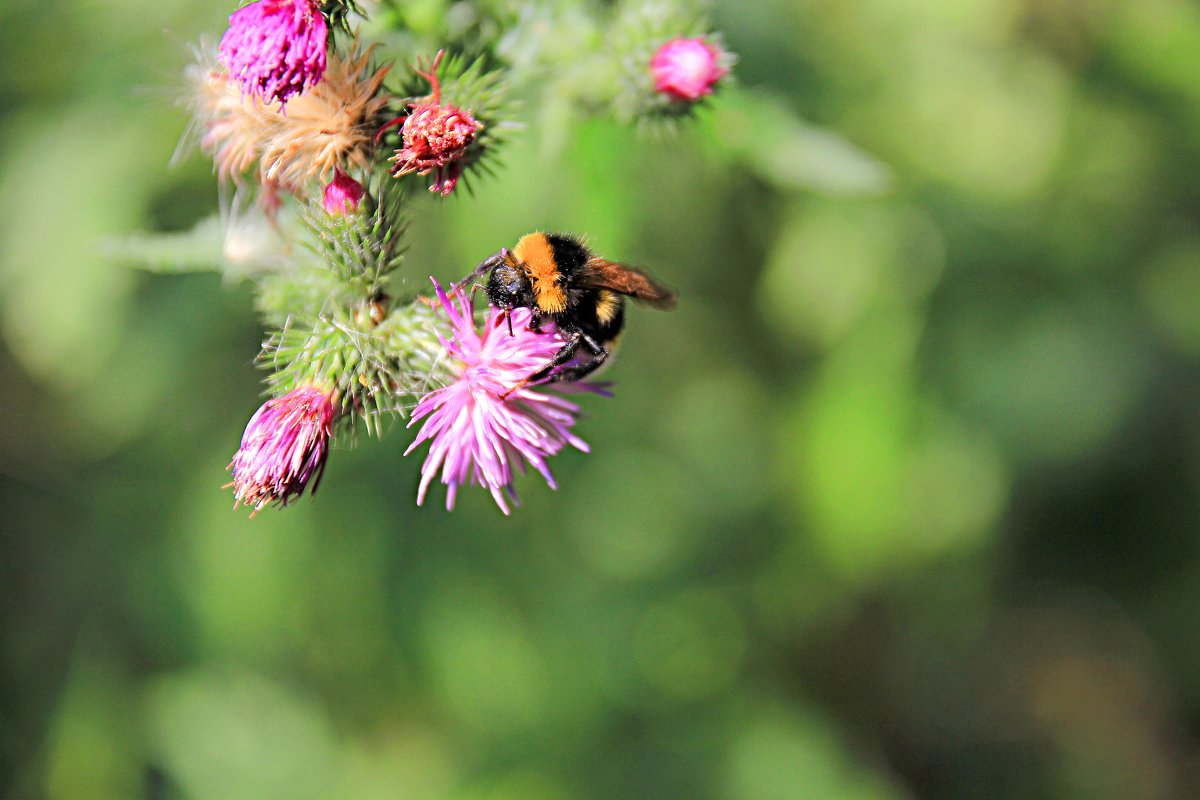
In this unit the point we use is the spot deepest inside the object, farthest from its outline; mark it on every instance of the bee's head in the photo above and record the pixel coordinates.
(508, 287)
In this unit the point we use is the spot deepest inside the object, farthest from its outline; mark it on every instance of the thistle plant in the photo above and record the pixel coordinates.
(331, 148)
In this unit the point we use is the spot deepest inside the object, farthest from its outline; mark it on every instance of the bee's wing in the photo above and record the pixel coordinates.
(631, 281)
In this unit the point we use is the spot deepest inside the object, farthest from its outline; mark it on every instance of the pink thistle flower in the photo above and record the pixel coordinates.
(435, 137)
(476, 436)
(275, 49)
(687, 69)
(342, 195)
(284, 447)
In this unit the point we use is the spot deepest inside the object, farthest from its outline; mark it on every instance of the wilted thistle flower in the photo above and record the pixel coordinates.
(476, 436)
(342, 195)
(275, 49)
(327, 126)
(284, 447)
(435, 137)
(687, 69)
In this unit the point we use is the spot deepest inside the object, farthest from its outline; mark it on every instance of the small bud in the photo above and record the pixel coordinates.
(342, 195)
(284, 447)
(687, 69)
(275, 49)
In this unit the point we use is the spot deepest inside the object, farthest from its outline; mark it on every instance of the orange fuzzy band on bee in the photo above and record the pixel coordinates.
(535, 253)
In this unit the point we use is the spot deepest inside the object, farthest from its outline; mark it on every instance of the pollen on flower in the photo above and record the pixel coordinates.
(283, 449)
(275, 49)
(435, 137)
(687, 69)
(479, 427)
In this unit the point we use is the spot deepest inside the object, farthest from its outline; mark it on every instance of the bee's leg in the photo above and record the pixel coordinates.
(569, 348)
(599, 356)
(535, 321)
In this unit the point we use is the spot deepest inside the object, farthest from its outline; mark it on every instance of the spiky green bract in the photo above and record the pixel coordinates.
(337, 12)
(362, 249)
(377, 369)
(343, 261)
(637, 30)
(339, 327)
(471, 84)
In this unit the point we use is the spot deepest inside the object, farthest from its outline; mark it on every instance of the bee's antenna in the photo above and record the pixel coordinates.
(488, 264)
(508, 316)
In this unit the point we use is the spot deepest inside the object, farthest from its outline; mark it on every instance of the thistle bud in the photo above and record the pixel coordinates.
(284, 448)
(343, 195)
(687, 69)
(275, 49)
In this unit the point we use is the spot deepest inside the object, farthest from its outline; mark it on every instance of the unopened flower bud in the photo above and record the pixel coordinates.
(283, 449)
(343, 195)
(687, 69)
(275, 49)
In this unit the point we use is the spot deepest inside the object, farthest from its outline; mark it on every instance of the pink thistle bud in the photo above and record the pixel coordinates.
(486, 422)
(284, 447)
(435, 137)
(687, 69)
(275, 49)
(342, 195)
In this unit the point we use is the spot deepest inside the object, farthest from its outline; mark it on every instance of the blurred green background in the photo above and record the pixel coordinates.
(902, 502)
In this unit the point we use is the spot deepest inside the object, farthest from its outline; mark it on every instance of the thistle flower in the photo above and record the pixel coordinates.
(284, 447)
(342, 195)
(329, 125)
(687, 69)
(275, 49)
(476, 436)
(435, 137)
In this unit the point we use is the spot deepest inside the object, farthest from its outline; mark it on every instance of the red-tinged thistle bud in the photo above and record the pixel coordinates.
(343, 195)
(435, 136)
(687, 69)
(275, 49)
(284, 448)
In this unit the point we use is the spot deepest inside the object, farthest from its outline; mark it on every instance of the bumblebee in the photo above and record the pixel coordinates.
(559, 279)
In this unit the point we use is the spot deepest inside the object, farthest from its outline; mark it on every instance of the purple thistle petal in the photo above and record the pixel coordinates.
(283, 449)
(275, 49)
(475, 436)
